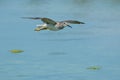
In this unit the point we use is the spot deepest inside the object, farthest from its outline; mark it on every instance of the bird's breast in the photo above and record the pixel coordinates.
(52, 27)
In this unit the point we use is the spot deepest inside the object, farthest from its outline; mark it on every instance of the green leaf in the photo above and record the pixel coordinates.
(15, 51)
(94, 68)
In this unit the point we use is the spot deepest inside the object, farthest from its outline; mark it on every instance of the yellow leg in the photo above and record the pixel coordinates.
(40, 28)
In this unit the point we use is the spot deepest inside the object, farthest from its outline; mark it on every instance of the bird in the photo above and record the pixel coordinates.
(50, 24)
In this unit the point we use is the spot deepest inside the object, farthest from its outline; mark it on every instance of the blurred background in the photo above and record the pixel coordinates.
(65, 54)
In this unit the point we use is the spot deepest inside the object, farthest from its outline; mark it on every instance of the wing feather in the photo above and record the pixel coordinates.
(73, 22)
(45, 20)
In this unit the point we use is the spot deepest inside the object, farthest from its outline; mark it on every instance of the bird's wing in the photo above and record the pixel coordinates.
(45, 20)
(48, 21)
(73, 22)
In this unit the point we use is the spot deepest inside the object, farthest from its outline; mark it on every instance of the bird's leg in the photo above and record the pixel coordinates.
(40, 28)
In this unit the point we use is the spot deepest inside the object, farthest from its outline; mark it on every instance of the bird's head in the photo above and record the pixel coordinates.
(66, 24)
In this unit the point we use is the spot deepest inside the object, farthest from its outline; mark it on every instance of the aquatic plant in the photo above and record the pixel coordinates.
(16, 51)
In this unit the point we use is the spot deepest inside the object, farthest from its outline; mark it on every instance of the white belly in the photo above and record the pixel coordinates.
(49, 27)
(52, 27)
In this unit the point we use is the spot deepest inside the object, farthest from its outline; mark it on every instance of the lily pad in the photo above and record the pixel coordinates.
(15, 51)
(94, 68)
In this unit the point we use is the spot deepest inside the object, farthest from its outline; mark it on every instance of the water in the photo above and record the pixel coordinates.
(65, 54)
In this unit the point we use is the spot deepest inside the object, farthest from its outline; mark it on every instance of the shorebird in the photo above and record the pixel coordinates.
(52, 25)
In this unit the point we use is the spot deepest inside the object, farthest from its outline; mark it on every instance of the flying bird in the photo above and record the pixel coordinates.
(52, 25)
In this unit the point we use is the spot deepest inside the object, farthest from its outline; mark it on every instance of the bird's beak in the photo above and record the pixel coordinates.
(69, 26)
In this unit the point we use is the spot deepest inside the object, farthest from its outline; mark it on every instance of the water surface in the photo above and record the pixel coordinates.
(65, 54)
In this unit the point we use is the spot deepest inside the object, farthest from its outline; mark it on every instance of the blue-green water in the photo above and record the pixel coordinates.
(65, 54)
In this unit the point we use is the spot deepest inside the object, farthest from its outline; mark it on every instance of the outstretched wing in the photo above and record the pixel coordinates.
(45, 20)
(73, 22)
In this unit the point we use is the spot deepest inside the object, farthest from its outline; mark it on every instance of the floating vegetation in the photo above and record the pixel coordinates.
(57, 53)
(16, 51)
(22, 75)
(94, 68)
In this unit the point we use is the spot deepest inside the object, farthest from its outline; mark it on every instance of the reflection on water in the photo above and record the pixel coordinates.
(81, 2)
(37, 2)
(22, 75)
(57, 53)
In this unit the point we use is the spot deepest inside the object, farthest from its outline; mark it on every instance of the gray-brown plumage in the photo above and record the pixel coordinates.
(53, 25)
